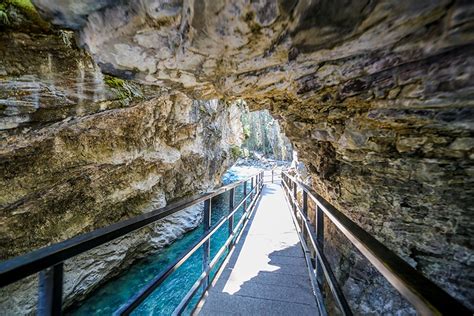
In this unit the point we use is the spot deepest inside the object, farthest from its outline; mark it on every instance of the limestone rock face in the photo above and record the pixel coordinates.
(80, 151)
(376, 96)
(95, 170)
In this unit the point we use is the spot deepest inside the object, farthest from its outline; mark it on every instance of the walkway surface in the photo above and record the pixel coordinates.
(266, 273)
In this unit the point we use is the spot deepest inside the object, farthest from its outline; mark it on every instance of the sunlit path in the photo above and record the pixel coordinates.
(267, 273)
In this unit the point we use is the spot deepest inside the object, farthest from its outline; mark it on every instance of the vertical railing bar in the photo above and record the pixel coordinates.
(51, 291)
(295, 197)
(245, 195)
(231, 218)
(305, 203)
(251, 189)
(206, 247)
(305, 211)
(320, 241)
(294, 190)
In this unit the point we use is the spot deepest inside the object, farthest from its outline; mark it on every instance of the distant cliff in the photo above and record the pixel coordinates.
(263, 134)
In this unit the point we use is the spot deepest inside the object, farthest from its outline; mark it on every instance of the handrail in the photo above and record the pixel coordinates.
(49, 260)
(423, 294)
(20, 267)
(319, 258)
(153, 284)
(235, 233)
(310, 259)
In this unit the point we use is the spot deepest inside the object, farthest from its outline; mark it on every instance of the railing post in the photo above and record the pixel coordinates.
(320, 241)
(51, 291)
(295, 196)
(231, 218)
(305, 203)
(206, 247)
(245, 195)
(251, 189)
(305, 212)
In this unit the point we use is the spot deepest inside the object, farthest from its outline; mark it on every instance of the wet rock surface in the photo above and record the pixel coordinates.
(376, 97)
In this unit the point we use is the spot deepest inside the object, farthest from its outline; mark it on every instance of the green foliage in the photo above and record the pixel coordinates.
(25, 7)
(4, 17)
(203, 109)
(236, 152)
(125, 90)
(4, 20)
(247, 132)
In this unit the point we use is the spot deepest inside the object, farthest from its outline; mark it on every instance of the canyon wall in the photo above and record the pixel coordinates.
(376, 97)
(80, 150)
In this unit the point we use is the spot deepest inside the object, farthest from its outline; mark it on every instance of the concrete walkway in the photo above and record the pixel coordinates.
(267, 273)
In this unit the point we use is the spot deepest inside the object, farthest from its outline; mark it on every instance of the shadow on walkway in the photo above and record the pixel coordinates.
(266, 274)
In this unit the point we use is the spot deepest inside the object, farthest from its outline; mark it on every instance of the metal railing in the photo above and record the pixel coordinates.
(424, 295)
(272, 176)
(48, 261)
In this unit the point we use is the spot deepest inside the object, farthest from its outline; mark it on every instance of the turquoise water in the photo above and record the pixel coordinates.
(109, 297)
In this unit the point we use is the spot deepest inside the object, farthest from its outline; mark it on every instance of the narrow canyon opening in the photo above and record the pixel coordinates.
(110, 110)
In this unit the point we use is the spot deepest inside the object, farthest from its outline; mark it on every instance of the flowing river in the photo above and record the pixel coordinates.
(109, 297)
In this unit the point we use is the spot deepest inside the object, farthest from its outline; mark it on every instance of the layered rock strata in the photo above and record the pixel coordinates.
(80, 150)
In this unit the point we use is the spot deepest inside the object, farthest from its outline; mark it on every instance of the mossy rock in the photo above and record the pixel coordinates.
(236, 152)
(125, 90)
(20, 14)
